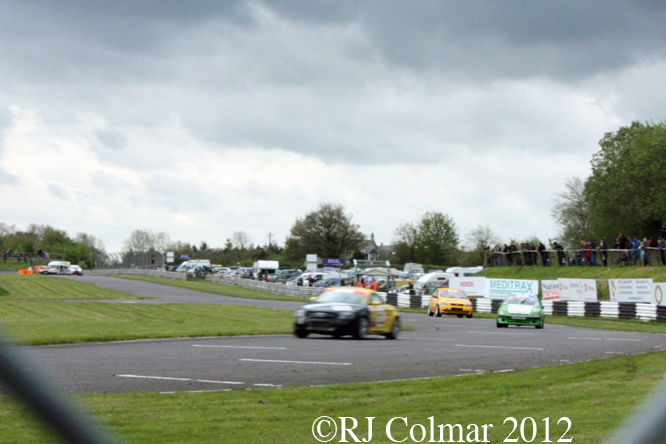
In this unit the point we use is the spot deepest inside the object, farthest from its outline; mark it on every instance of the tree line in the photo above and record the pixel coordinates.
(625, 193)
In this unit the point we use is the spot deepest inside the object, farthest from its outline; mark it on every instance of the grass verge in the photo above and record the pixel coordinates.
(38, 287)
(211, 287)
(39, 322)
(594, 396)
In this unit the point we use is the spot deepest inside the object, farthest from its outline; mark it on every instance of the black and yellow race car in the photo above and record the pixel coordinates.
(341, 311)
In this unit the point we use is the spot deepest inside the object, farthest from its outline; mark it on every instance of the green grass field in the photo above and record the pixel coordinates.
(33, 310)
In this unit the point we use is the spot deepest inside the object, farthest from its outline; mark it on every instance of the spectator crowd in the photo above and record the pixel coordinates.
(625, 251)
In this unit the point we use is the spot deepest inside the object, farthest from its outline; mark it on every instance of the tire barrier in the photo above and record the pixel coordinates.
(604, 309)
(560, 308)
(392, 299)
(592, 309)
(646, 312)
(627, 310)
(576, 308)
(416, 301)
(661, 313)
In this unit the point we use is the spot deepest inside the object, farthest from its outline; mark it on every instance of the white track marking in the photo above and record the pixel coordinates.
(240, 347)
(296, 362)
(499, 346)
(165, 378)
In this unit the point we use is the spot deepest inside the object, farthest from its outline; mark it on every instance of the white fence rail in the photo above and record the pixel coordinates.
(267, 287)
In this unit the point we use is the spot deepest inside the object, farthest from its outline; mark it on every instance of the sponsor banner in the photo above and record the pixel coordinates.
(578, 289)
(472, 286)
(631, 290)
(550, 290)
(184, 257)
(333, 263)
(501, 288)
(659, 293)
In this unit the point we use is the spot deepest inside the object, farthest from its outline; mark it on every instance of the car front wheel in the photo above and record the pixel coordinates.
(438, 313)
(540, 324)
(361, 329)
(301, 333)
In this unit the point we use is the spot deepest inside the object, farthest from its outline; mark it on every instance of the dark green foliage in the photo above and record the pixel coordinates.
(627, 189)
(433, 239)
(327, 232)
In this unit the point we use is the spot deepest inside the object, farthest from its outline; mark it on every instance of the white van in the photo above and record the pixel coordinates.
(59, 267)
(431, 281)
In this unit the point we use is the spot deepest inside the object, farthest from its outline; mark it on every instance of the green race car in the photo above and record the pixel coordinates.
(521, 309)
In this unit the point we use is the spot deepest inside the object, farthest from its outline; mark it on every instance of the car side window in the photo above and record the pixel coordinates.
(375, 298)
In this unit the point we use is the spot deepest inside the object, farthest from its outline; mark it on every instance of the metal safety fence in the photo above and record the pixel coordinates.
(650, 256)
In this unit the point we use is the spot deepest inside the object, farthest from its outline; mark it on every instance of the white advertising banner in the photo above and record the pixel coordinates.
(659, 293)
(472, 286)
(550, 290)
(501, 288)
(631, 290)
(578, 289)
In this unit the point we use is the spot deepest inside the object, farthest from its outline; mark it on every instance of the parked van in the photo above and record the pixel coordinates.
(59, 267)
(265, 267)
(429, 282)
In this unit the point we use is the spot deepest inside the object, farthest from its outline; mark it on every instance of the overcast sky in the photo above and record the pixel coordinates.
(203, 118)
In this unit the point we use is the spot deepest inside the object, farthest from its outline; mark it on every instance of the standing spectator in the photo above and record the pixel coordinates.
(603, 252)
(497, 255)
(561, 255)
(515, 254)
(508, 255)
(593, 254)
(545, 260)
(660, 246)
(635, 245)
(645, 252)
(525, 249)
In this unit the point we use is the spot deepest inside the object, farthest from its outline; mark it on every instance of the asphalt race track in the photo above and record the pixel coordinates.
(439, 346)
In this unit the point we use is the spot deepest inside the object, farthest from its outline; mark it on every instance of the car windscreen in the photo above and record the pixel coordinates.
(452, 294)
(348, 297)
(522, 301)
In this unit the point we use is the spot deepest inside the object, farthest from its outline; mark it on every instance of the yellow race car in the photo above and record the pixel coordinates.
(354, 311)
(450, 301)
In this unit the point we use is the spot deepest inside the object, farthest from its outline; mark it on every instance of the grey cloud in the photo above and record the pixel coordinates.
(487, 39)
(111, 138)
(5, 116)
(7, 178)
(59, 191)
